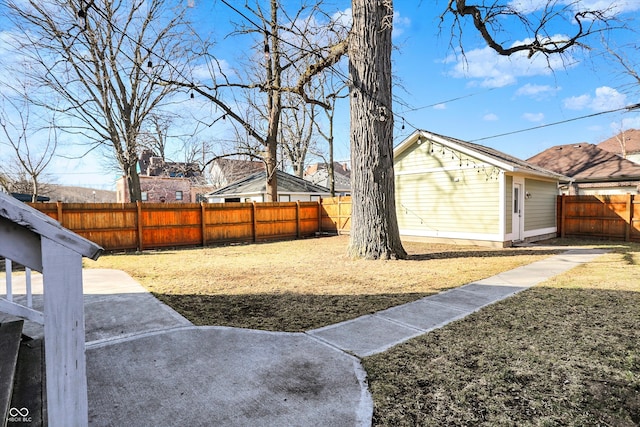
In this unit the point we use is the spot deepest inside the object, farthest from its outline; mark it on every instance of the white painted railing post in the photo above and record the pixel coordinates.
(64, 336)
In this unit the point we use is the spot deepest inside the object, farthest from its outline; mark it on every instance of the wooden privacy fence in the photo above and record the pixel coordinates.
(131, 226)
(140, 226)
(604, 217)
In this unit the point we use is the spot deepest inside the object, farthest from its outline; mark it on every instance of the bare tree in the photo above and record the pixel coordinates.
(275, 31)
(298, 132)
(103, 59)
(32, 147)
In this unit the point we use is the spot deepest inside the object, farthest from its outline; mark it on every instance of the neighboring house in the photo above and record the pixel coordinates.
(159, 189)
(162, 181)
(152, 165)
(626, 144)
(253, 189)
(592, 170)
(225, 171)
(448, 189)
(319, 174)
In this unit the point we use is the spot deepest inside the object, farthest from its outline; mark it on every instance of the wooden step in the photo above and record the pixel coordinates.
(29, 390)
(10, 338)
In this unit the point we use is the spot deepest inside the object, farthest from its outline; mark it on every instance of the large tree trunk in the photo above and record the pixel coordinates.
(274, 105)
(133, 182)
(374, 226)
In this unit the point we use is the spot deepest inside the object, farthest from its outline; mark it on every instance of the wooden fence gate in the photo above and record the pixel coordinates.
(614, 217)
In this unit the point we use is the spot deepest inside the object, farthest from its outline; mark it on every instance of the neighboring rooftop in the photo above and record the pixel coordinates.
(626, 142)
(153, 165)
(257, 183)
(318, 174)
(226, 171)
(586, 162)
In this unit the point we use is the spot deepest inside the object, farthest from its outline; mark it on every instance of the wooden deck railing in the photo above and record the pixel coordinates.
(9, 304)
(39, 243)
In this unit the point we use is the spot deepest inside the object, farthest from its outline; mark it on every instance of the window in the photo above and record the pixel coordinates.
(144, 196)
(178, 195)
(285, 198)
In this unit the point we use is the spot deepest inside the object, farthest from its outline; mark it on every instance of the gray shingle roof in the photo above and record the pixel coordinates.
(256, 183)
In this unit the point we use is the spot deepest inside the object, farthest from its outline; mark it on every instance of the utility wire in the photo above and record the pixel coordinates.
(627, 108)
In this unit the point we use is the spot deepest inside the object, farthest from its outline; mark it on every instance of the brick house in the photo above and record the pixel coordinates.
(162, 181)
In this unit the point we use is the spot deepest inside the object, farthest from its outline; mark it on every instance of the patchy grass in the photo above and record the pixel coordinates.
(563, 353)
(304, 284)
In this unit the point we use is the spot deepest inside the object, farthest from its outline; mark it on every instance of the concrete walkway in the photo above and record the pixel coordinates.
(148, 366)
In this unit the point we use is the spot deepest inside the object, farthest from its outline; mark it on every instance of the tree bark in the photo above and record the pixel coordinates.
(374, 227)
(274, 105)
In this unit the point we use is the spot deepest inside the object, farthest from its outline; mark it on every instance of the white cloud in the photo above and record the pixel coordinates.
(442, 106)
(533, 117)
(490, 117)
(604, 98)
(343, 17)
(612, 8)
(205, 72)
(492, 70)
(577, 102)
(537, 91)
(632, 122)
(400, 23)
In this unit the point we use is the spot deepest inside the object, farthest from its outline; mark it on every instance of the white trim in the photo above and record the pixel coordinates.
(517, 220)
(502, 200)
(540, 231)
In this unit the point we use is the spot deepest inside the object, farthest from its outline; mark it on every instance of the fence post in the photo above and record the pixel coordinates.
(254, 219)
(203, 226)
(59, 206)
(139, 223)
(320, 200)
(563, 215)
(628, 218)
(298, 219)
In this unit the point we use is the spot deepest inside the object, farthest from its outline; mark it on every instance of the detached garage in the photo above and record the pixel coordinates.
(448, 189)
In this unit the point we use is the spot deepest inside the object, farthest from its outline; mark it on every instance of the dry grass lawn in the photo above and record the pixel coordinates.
(303, 284)
(564, 353)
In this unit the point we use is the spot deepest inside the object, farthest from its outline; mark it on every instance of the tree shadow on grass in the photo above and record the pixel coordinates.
(453, 254)
(546, 356)
(288, 312)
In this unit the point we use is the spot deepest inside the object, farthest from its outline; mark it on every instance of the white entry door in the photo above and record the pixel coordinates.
(518, 210)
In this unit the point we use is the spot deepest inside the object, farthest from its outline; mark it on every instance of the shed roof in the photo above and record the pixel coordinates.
(491, 156)
(43, 225)
(257, 183)
(586, 162)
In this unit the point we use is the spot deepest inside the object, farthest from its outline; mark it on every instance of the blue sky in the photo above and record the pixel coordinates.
(473, 97)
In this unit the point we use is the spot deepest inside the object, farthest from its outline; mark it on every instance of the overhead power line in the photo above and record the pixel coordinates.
(627, 108)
